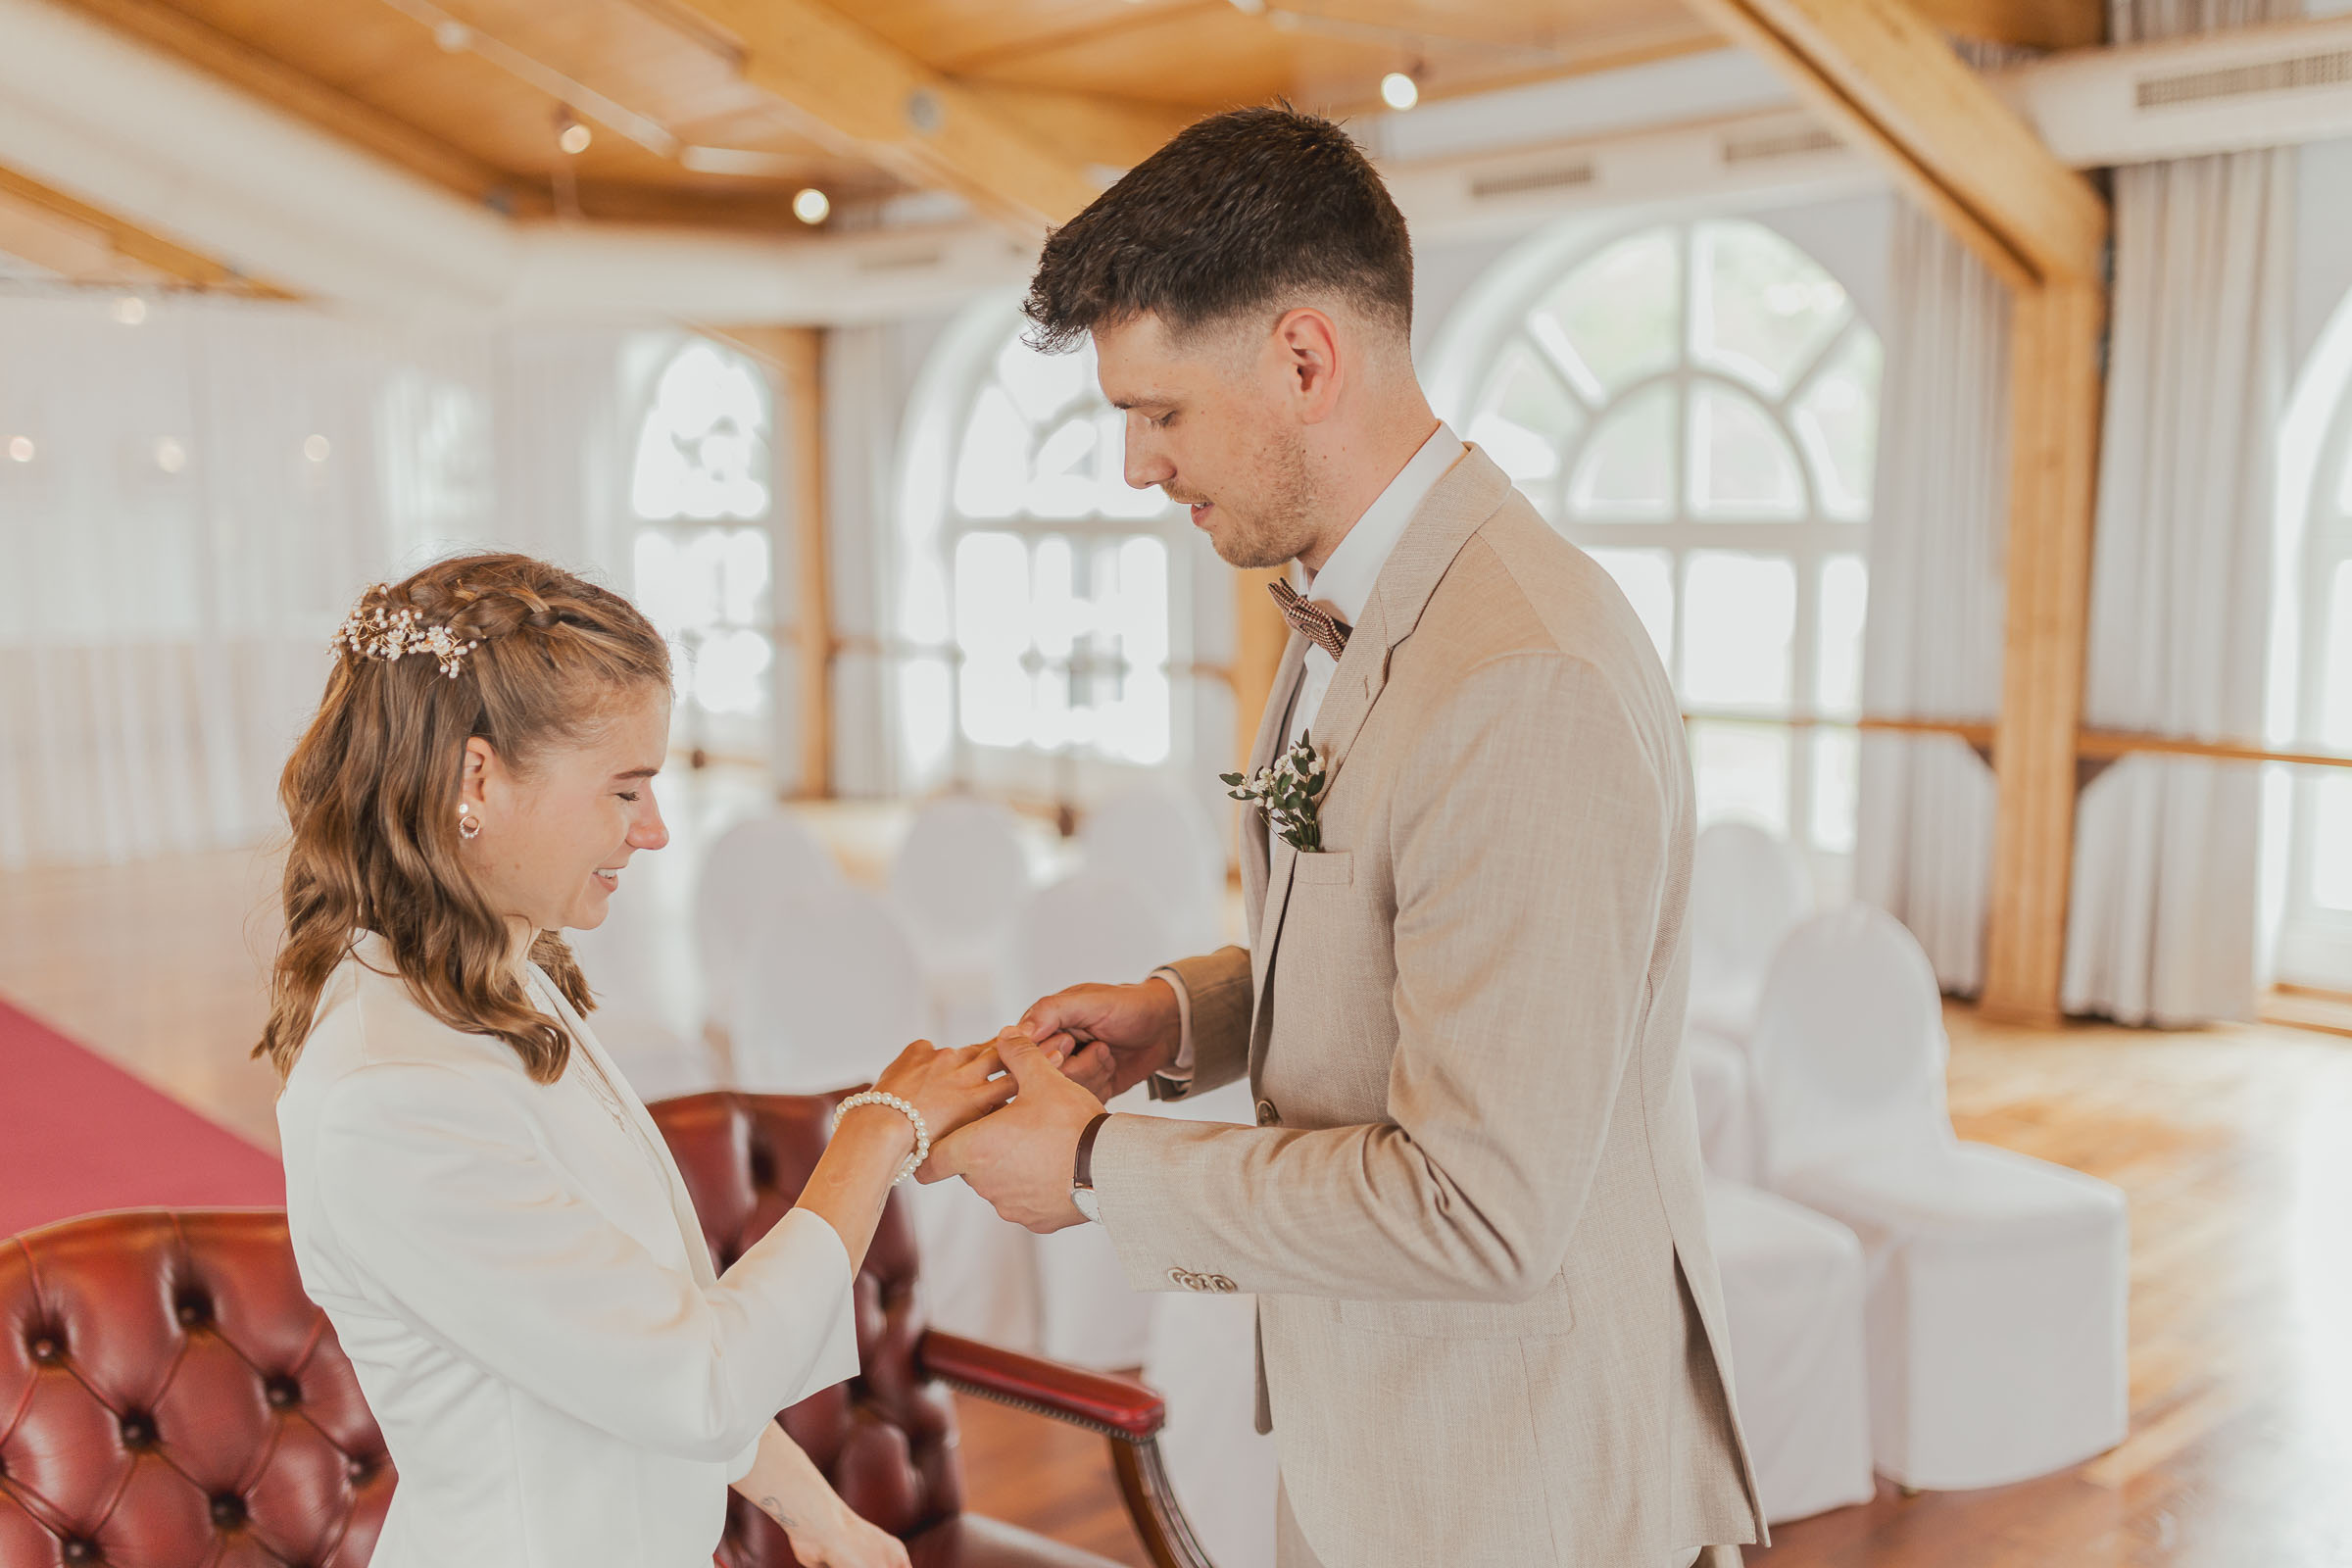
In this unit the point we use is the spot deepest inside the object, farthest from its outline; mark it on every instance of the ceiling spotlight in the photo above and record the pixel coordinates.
(1400, 91)
(454, 37)
(811, 206)
(20, 448)
(574, 137)
(169, 455)
(130, 310)
(315, 448)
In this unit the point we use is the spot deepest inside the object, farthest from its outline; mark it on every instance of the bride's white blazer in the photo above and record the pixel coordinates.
(519, 1281)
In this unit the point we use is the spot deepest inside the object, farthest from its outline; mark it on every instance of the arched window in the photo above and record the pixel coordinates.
(702, 489)
(1055, 589)
(1695, 404)
(2316, 939)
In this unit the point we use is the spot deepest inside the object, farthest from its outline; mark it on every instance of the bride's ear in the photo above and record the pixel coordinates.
(478, 761)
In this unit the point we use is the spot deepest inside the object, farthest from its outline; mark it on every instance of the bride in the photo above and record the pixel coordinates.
(477, 1199)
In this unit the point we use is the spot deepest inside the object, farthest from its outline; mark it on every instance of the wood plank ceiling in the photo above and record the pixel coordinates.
(694, 117)
(473, 93)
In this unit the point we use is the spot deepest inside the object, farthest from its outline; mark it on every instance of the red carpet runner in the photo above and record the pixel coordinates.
(78, 1134)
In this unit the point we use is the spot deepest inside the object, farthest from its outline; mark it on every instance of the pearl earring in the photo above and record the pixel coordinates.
(468, 828)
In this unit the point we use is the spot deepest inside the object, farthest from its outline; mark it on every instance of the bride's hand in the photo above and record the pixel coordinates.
(844, 1539)
(948, 1088)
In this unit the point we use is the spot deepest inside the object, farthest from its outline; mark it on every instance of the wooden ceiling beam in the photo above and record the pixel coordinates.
(189, 268)
(930, 130)
(1885, 78)
(273, 81)
(2021, 24)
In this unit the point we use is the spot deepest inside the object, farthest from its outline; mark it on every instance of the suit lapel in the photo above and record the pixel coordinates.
(1466, 497)
(1270, 727)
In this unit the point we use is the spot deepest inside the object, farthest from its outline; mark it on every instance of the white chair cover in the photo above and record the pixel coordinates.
(831, 991)
(1997, 1283)
(1096, 926)
(959, 881)
(1720, 1089)
(637, 974)
(749, 869)
(1158, 838)
(1749, 890)
(1204, 1361)
(1793, 1295)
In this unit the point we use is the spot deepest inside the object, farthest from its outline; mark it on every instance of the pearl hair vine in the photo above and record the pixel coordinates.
(386, 634)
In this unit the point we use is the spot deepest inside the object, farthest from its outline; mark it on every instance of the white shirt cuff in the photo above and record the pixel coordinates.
(1180, 1069)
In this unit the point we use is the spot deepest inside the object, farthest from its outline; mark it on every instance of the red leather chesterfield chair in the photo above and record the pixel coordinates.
(169, 1396)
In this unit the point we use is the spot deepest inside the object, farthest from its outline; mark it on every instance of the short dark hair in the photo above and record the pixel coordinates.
(1241, 211)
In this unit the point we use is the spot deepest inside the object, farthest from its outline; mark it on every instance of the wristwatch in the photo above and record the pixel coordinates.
(1082, 1174)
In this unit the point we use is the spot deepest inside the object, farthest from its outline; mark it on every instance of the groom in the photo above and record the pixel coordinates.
(1489, 1328)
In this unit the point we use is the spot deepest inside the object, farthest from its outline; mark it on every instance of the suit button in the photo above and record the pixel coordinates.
(1221, 1284)
(1267, 1115)
(1184, 1278)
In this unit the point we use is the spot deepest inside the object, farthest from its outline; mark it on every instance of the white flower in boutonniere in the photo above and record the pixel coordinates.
(1287, 795)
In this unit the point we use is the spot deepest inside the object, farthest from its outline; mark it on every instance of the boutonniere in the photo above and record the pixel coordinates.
(1287, 795)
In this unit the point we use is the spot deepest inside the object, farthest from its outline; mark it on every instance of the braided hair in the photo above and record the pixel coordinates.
(525, 656)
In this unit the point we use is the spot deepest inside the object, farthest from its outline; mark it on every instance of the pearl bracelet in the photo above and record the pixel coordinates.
(922, 1133)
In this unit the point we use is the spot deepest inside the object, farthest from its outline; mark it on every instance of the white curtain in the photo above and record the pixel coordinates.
(1932, 646)
(189, 502)
(2162, 923)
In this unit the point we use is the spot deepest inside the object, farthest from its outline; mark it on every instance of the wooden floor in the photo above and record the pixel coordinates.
(2234, 1146)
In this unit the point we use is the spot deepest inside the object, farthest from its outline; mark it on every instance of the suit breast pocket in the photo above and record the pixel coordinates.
(1327, 868)
(1541, 1316)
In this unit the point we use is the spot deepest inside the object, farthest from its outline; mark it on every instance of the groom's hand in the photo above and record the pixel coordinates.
(1022, 1159)
(1112, 1037)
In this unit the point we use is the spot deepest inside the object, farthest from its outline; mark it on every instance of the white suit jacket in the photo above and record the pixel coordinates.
(525, 1294)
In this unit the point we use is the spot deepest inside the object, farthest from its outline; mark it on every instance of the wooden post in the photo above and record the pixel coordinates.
(1259, 635)
(796, 355)
(2054, 402)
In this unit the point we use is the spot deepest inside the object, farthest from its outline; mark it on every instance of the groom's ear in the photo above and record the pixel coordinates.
(1308, 344)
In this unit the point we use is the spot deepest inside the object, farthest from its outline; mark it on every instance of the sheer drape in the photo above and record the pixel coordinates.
(203, 493)
(2162, 923)
(1932, 646)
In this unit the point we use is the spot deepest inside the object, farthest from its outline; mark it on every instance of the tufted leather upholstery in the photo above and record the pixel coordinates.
(168, 1395)
(887, 1438)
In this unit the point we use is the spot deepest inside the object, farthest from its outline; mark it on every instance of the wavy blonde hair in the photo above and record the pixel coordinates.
(371, 793)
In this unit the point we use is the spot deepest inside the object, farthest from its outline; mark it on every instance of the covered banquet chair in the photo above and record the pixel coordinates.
(1793, 1299)
(168, 1395)
(1749, 890)
(1997, 1283)
(1095, 925)
(759, 863)
(959, 880)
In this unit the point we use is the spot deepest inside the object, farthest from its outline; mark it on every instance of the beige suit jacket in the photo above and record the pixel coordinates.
(1490, 1326)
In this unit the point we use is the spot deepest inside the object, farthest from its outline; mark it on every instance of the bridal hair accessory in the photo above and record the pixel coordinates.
(1287, 795)
(922, 1133)
(386, 634)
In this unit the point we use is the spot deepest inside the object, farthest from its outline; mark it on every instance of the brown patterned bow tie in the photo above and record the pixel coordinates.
(1326, 631)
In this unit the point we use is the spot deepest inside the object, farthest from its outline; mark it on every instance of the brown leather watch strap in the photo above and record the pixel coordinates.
(1083, 1173)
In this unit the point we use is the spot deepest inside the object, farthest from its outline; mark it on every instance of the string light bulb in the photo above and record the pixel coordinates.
(811, 206)
(169, 455)
(1400, 91)
(574, 137)
(130, 310)
(20, 449)
(316, 449)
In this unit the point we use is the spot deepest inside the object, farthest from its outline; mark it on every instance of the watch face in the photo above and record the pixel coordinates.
(1084, 1197)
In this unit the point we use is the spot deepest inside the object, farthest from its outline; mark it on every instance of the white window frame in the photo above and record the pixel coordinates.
(1808, 542)
(2315, 943)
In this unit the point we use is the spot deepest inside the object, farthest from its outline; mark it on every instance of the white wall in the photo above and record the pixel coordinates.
(2323, 245)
